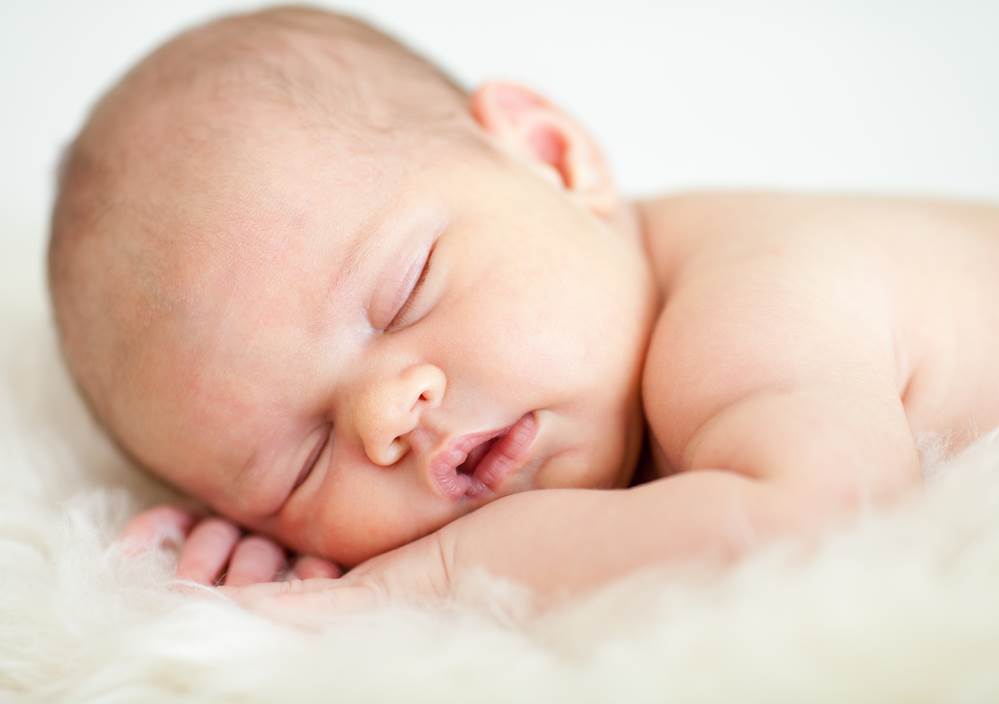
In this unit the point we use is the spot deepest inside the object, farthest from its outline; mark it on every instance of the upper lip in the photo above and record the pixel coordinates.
(456, 451)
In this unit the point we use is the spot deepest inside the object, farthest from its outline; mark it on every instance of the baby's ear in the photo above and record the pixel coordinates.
(531, 128)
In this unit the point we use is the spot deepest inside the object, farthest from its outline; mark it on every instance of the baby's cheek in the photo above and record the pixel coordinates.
(374, 534)
(341, 537)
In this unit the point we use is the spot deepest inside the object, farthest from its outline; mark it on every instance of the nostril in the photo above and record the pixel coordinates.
(423, 398)
(396, 449)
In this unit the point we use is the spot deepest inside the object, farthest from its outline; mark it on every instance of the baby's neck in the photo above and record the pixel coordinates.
(655, 225)
(640, 222)
(629, 221)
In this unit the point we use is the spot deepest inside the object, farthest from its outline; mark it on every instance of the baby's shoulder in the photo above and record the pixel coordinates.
(756, 306)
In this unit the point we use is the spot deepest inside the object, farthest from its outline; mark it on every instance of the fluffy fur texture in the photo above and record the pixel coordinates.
(896, 606)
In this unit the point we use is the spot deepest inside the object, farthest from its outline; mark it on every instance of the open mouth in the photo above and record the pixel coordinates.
(460, 472)
(476, 455)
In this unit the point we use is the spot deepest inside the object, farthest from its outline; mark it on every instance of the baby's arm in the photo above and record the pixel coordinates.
(214, 550)
(564, 542)
(769, 466)
(779, 462)
(775, 395)
(774, 391)
(782, 461)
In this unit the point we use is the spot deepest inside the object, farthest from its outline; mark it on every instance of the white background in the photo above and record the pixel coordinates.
(882, 95)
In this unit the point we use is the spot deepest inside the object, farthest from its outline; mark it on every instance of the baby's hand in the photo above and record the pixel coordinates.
(208, 544)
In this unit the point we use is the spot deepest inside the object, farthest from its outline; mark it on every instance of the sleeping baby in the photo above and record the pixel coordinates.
(402, 331)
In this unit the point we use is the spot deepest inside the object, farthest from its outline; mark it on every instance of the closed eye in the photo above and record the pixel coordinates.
(416, 289)
(312, 459)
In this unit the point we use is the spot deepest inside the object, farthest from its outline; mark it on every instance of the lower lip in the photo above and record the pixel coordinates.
(506, 456)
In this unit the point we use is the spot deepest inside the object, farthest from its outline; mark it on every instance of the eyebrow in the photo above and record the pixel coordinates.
(352, 257)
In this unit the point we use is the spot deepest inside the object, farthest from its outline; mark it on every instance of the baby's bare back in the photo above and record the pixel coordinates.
(926, 269)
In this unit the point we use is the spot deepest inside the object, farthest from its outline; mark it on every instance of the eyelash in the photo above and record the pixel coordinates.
(312, 460)
(416, 289)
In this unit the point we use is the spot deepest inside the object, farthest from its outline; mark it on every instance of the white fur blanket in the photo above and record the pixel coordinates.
(901, 606)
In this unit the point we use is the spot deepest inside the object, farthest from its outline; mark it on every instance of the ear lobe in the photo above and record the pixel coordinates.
(528, 126)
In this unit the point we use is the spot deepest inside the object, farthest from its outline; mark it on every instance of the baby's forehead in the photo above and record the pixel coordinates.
(246, 186)
(187, 224)
(221, 142)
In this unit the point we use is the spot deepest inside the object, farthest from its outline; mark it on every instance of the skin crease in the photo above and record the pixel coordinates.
(266, 357)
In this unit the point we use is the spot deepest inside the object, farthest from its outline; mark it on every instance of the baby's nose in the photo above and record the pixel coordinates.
(389, 408)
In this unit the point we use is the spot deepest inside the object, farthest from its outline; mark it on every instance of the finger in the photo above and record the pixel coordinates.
(206, 550)
(256, 559)
(308, 603)
(163, 525)
(266, 590)
(312, 567)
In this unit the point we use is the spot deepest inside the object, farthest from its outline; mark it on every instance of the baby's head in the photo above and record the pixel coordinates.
(292, 263)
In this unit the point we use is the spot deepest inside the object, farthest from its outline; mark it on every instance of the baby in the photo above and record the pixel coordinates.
(302, 275)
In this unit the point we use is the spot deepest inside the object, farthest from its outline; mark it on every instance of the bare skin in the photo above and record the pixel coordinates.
(783, 352)
(921, 272)
(819, 372)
